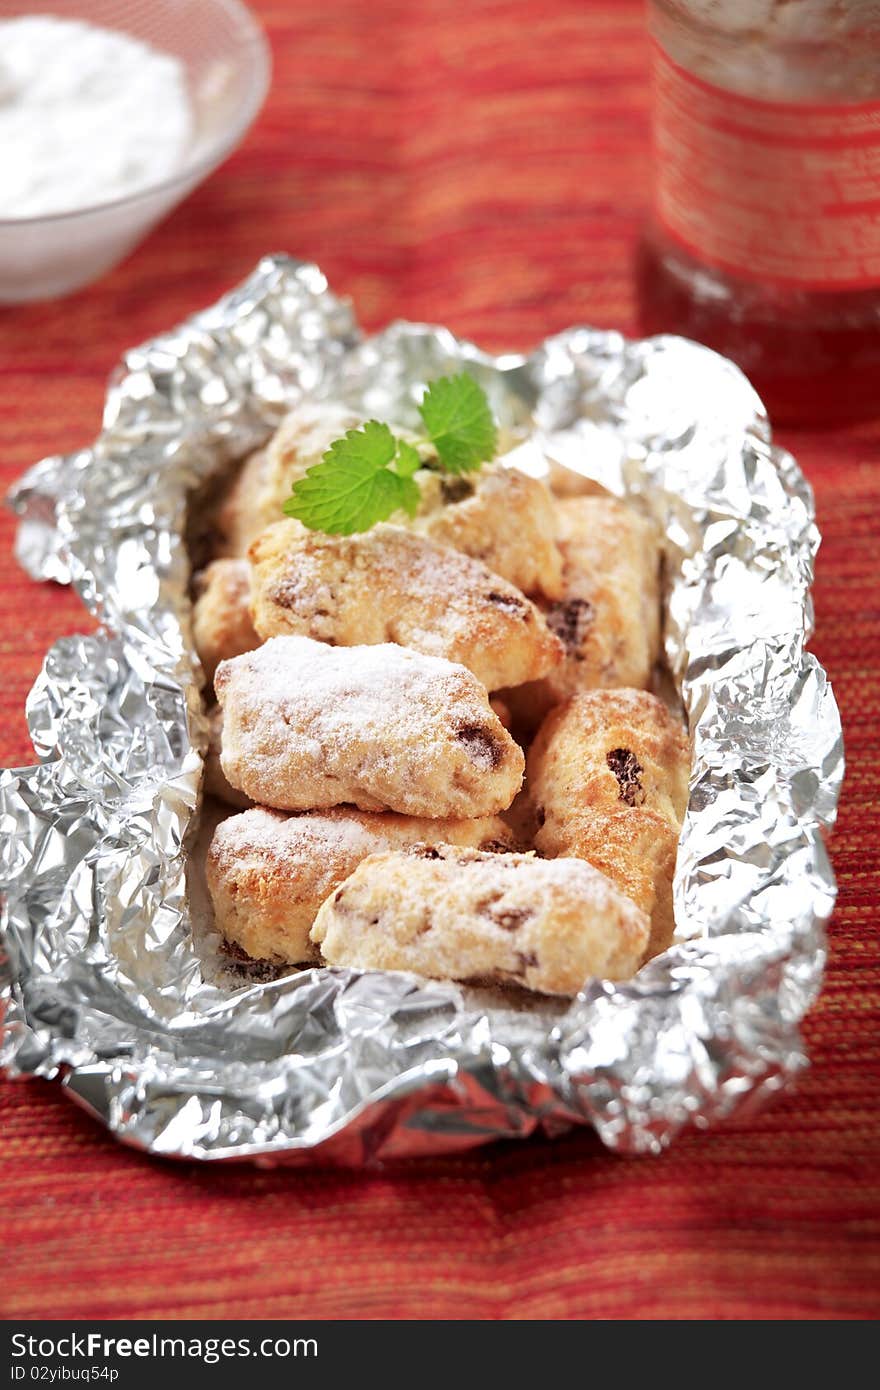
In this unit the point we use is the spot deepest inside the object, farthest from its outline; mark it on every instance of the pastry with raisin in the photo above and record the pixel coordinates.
(308, 726)
(500, 516)
(453, 914)
(608, 772)
(222, 625)
(389, 585)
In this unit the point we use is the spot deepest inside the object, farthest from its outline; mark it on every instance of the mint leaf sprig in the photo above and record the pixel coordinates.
(367, 475)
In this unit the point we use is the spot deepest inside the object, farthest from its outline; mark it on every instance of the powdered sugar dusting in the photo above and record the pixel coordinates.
(308, 726)
(351, 688)
(390, 585)
(501, 872)
(458, 914)
(275, 836)
(340, 833)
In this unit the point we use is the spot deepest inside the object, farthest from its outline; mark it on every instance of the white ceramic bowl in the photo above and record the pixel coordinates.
(227, 62)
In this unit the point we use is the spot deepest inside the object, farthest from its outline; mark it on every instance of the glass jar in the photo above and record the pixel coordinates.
(764, 241)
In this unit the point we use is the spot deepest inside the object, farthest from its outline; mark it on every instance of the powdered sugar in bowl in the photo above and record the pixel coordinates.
(110, 114)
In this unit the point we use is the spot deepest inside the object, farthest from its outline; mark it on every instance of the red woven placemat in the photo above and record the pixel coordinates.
(482, 165)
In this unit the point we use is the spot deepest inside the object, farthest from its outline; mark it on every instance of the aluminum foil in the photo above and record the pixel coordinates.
(111, 976)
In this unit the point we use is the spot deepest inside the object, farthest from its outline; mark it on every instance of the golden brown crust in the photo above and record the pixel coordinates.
(501, 517)
(637, 850)
(268, 872)
(457, 914)
(609, 616)
(389, 585)
(221, 618)
(501, 709)
(609, 771)
(606, 750)
(307, 726)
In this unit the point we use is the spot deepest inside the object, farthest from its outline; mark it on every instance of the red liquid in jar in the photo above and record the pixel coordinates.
(812, 356)
(765, 241)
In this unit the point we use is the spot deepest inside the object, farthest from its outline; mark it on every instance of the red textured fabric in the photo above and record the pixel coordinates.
(482, 165)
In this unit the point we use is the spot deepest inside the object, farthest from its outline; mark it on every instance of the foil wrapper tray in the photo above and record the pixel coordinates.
(112, 974)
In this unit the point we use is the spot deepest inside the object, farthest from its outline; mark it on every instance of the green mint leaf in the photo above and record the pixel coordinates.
(459, 422)
(352, 488)
(410, 496)
(408, 459)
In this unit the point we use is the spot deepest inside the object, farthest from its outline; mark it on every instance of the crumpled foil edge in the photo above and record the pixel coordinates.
(104, 982)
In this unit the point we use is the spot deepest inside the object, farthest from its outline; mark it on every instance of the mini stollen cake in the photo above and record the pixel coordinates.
(499, 516)
(453, 914)
(257, 494)
(307, 726)
(222, 626)
(608, 774)
(605, 750)
(389, 585)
